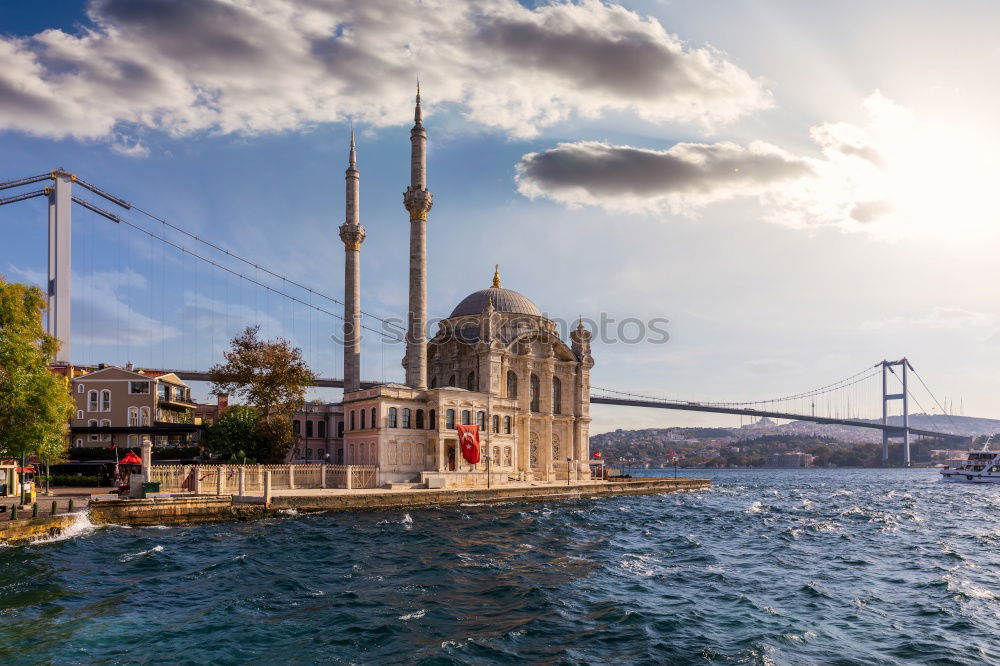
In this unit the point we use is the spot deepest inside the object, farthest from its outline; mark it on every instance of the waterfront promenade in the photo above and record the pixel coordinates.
(175, 508)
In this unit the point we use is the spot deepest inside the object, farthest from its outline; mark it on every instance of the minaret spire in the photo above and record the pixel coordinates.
(418, 201)
(353, 235)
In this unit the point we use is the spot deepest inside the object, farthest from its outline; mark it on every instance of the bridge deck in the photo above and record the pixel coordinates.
(893, 430)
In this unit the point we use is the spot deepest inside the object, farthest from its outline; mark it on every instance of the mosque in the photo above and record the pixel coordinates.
(496, 361)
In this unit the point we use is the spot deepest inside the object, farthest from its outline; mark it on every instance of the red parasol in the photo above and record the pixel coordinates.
(130, 459)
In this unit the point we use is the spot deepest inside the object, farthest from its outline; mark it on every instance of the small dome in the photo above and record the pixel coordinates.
(504, 300)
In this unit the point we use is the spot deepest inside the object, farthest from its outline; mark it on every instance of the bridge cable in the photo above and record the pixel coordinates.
(258, 266)
(242, 276)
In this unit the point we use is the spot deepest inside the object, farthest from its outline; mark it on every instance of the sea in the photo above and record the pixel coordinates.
(810, 566)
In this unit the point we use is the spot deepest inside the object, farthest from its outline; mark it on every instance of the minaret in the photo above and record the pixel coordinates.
(417, 201)
(353, 235)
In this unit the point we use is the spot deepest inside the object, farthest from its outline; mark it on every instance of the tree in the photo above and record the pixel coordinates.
(270, 375)
(36, 403)
(237, 434)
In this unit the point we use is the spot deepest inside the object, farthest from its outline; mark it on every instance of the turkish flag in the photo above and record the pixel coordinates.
(468, 440)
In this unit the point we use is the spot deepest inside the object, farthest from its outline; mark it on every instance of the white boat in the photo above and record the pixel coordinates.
(980, 467)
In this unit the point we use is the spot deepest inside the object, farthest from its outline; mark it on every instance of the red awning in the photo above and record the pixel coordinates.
(130, 459)
(26, 470)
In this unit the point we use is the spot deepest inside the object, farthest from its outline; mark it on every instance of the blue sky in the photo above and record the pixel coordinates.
(802, 190)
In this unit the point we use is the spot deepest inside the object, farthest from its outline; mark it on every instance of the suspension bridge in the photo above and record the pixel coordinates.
(148, 263)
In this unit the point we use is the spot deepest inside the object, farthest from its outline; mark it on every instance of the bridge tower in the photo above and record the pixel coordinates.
(60, 263)
(886, 398)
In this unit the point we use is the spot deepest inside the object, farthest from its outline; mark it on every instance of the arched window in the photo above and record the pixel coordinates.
(432, 422)
(511, 384)
(534, 392)
(297, 427)
(556, 396)
(321, 430)
(420, 419)
(470, 382)
(392, 417)
(105, 400)
(350, 456)
(374, 419)
(496, 423)
(466, 417)
(481, 420)
(309, 428)
(352, 428)
(340, 430)
(79, 415)
(321, 452)
(451, 380)
(143, 416)
(406, 417)
(92, 423)
(92, 401)
(506, 425)
(362, 419)
(434, 382)
(449, 418)
(79, 389)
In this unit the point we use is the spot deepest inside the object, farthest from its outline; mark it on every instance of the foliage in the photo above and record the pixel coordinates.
(36, 403)
(270, 375)
(236, 434)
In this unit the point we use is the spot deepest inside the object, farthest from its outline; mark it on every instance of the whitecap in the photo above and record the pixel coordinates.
(154, 549)
(416, 615)
(407, 521)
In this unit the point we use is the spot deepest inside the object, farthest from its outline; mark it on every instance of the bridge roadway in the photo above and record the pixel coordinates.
(893, 430)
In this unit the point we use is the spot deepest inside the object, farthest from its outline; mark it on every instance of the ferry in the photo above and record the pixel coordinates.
(980, 467)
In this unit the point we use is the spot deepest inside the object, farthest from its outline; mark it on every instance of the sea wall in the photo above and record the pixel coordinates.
(174, 510)
(377, 501)
(14, 532)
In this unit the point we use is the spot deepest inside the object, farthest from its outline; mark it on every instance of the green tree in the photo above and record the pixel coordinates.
(36, 402)
(270, 375)
(237, 434)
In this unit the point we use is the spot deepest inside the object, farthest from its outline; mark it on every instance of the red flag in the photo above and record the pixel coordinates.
(597, 454)
(468, 439)
(112, 447)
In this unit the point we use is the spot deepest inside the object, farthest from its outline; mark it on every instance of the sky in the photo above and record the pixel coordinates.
(792, 191)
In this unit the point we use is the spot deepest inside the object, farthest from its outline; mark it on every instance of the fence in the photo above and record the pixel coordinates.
(204, 479)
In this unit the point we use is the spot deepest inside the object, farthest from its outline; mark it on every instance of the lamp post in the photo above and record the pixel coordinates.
(569, 464)
(487, 457)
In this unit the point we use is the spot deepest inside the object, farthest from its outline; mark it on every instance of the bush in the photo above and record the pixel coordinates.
(73, 481)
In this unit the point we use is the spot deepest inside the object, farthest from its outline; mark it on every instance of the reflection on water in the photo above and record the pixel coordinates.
(771, 566)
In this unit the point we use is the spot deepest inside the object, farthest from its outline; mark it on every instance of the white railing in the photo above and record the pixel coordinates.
(204, 479)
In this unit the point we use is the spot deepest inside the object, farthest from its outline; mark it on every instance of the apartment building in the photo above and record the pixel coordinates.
(120, 406)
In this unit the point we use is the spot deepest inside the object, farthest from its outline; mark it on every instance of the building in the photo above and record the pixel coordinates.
(319, 433)
(496, 361)
(791, 459)
(121, 405)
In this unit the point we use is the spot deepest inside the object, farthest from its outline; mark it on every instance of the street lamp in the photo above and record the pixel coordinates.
(569, 464)
(487, 458)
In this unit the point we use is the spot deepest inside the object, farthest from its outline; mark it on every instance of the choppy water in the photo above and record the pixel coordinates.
(771, 566)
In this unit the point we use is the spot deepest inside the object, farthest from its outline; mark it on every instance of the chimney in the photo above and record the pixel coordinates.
(130, 367)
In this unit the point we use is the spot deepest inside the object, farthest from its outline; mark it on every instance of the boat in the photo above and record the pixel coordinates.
(980, 467)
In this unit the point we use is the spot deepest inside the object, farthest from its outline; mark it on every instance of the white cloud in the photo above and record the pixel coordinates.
(895, 176)
(113, 320)
(265, 65)
(938, 318)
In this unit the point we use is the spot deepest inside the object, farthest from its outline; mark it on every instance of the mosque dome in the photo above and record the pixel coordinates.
(504, 300)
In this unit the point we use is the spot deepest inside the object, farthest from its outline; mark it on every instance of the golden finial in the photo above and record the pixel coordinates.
(496, 277)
